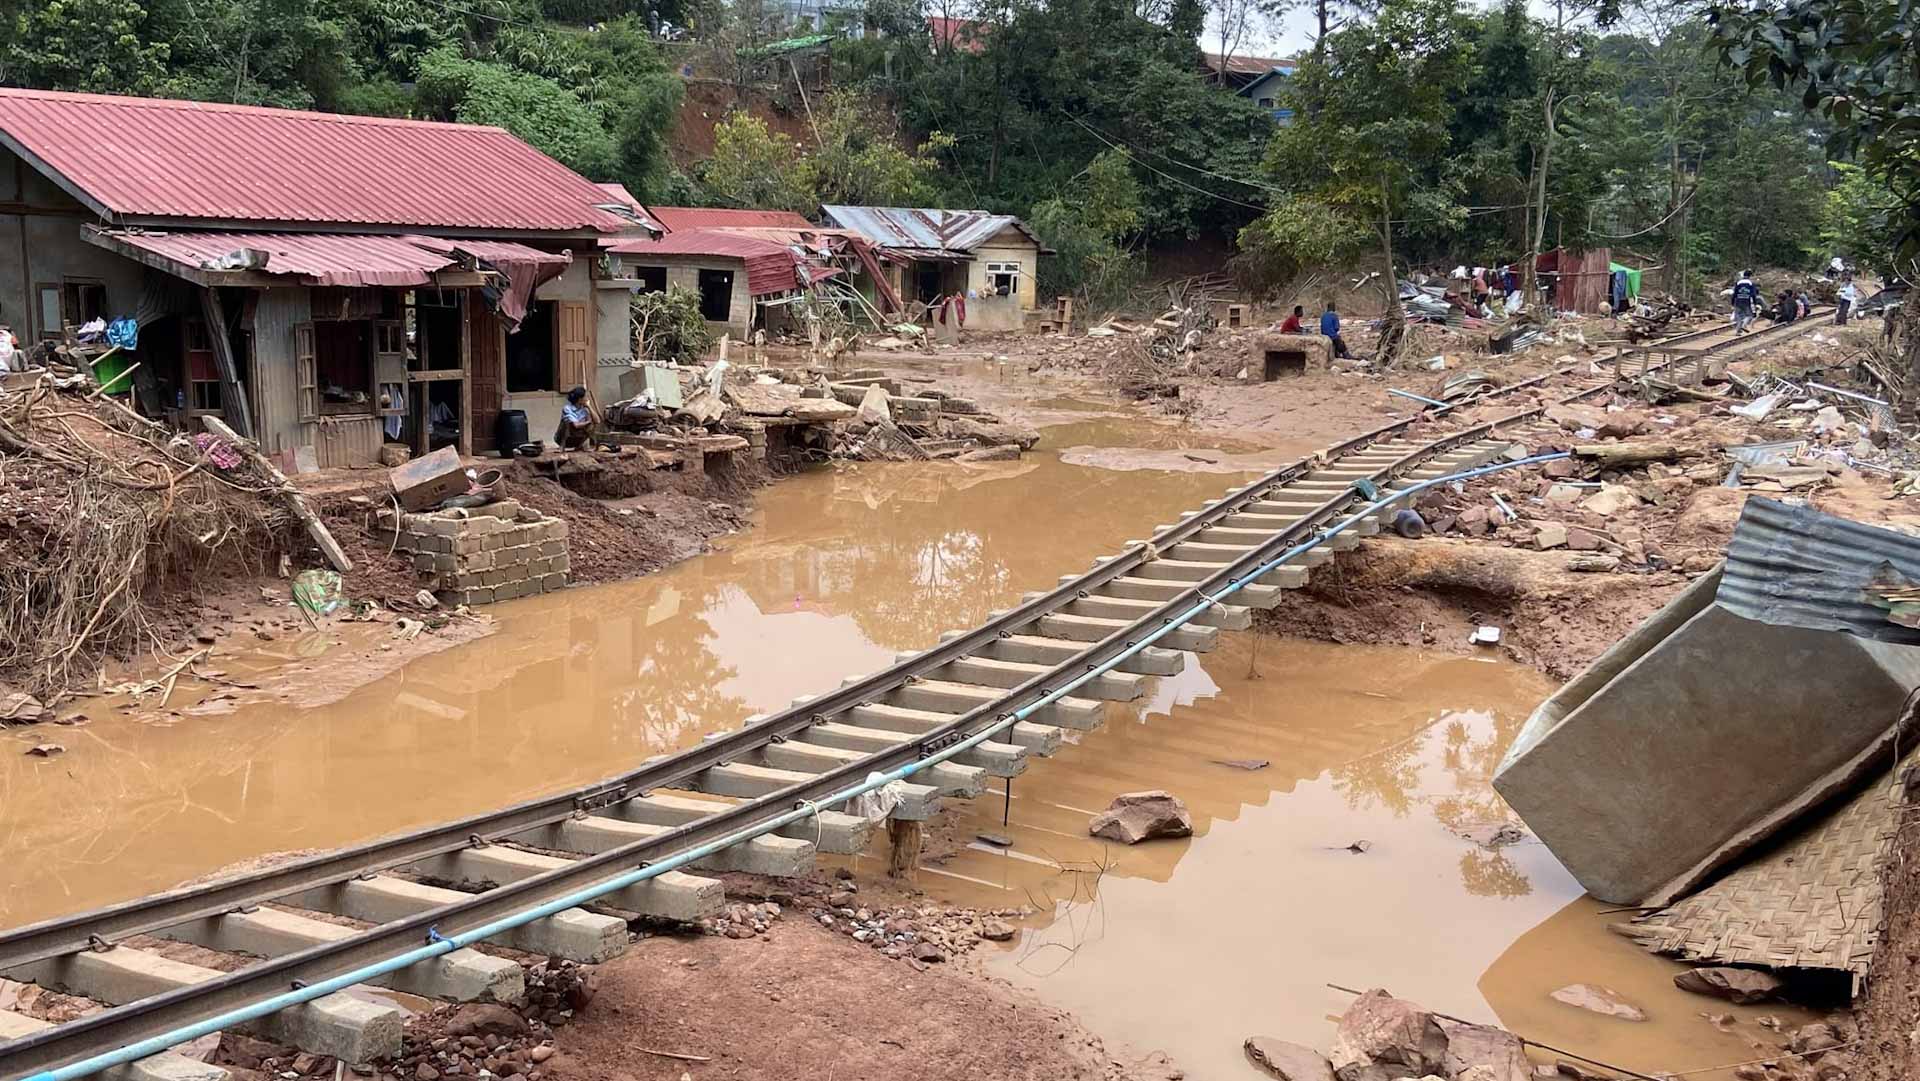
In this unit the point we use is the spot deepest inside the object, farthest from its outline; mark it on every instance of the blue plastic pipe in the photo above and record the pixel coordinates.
(443, 945)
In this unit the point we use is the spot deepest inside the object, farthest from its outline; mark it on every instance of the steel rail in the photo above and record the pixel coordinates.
(124, 1024)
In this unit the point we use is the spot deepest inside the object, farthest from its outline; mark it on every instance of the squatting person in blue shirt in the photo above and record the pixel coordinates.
(1330, 328)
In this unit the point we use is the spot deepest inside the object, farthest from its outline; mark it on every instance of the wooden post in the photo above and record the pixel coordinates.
(295, 501)
(904, 855)
(233, 396)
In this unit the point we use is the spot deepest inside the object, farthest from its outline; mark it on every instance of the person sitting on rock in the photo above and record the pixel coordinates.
(576, 421)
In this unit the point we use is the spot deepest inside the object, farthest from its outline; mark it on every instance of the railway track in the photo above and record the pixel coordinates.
(755, 798)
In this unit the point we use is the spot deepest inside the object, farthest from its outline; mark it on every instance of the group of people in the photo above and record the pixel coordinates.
(1789, 305)
(1329, 327)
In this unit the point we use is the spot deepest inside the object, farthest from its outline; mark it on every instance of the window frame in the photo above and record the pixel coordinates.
(1011, 271)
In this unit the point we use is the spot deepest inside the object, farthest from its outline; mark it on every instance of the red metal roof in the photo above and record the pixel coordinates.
(676, 218)
(146, 158)
(770, 267)
(966, 35)
(345, 259)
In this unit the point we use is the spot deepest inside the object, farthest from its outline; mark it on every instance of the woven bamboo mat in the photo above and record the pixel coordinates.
(1811, 902)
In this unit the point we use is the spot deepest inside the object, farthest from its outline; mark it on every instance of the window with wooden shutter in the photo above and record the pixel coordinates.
(305, 376)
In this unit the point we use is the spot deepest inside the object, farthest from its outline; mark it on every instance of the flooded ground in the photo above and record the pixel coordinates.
(1340, 861)
(1186, 947)
(845, 567)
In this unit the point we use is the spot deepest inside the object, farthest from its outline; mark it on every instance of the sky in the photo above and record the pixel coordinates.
(1293, 32)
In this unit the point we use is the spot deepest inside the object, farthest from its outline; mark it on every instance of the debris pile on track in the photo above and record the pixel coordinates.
(102, 515)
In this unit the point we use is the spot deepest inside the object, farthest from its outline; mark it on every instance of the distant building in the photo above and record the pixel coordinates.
(961, 35)
(826, 16)
(1259, 79)
(992, 260)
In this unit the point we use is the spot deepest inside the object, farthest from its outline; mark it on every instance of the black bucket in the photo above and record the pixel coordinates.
(510, 431)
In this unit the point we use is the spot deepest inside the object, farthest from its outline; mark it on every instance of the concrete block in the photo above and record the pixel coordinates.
(747, 781)
(945, 778)
(165, 1066)
(1125, 609)
(1079, 627)
(491, 542)
(556, 580)
(461, 976)
(347, 1028)
(1696, 737)
(674, 895)
(781, 857)
(997, 759)
(1034, 649)
(575, 935)
(1080, 706)
(833, 832)
(557, 530)
(553, 548)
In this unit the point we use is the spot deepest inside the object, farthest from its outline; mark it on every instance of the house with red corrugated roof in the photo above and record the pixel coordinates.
(316, 280)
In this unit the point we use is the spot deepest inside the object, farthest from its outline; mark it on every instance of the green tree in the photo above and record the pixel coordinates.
(1375, 148)
(97, 46)
(1089, 234)
(752, 166)
(858, 158)
(1858, 219)
(1295, 235)
(539, 110)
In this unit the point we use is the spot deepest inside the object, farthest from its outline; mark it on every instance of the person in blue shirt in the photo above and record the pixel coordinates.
(576, 421)
(1330, 328)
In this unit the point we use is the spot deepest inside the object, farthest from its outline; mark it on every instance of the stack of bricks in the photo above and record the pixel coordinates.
(483, 554)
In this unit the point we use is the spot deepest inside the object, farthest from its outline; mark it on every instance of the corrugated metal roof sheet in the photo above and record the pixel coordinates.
(1794, 566)
(326, 258)
(893, 227)
(702, 217)
(157, 158)
(770, 267)
(346, 259)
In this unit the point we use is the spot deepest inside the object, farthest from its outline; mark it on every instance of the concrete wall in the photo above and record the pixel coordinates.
(1010, 245)
(40, 243)
(493, 553)
(614, 341)
(1694, 738)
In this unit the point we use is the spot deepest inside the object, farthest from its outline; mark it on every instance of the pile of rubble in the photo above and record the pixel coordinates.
(814, 414)
(918, 935)
(1381, 1038)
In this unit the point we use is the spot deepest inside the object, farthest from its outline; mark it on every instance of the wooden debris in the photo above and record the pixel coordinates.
(296, 502)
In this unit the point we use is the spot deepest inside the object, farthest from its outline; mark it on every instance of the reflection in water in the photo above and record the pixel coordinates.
(1390, 747)
(846, 567)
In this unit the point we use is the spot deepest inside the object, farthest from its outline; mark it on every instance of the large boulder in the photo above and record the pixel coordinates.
(1382, 1038)
(1142, 816)
(992, 433)
(1742, 986)
(1485, 1053)
(1288, 1061)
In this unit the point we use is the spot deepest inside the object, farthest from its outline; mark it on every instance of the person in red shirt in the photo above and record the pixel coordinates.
(1292, 324)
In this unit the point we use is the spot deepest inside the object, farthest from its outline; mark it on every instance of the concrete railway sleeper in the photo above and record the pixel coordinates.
(491, 870)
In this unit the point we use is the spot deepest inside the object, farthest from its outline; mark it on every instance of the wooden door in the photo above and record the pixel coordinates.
(486, 375)
(576, 346)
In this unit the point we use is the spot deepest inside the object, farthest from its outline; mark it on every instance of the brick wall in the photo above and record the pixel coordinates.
(480, 555)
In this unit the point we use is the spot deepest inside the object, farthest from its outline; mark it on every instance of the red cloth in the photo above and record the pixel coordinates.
(1291, 326)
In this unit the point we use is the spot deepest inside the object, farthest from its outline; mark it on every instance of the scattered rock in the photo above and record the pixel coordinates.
(1611, 500)
(1584, 540)
(1142, 816)
(1287, 1061)
(1549, 535)
(1813, 1039)
(304, 1062)
(1737, 985)
(1005, 452)
(993, 433)
(424, 1072)
(1561, 468)
(1600, 1000)
(484, 1019)
(540, 1054)
(1382, 1038)
(1484, 1053)
(997, 931)
(929, 953)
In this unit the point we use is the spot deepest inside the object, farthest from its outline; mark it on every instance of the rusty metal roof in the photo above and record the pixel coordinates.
(147, 159)
(937, 233)
(771, 267)
(335, 259)
(1794, 566)
(702, 217)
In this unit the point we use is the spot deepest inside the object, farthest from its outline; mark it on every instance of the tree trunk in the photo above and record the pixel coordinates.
(1393, 327)
(1546, 162)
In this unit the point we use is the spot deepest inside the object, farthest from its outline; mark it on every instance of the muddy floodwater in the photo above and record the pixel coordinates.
(1345, 832)
(1337, 859)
